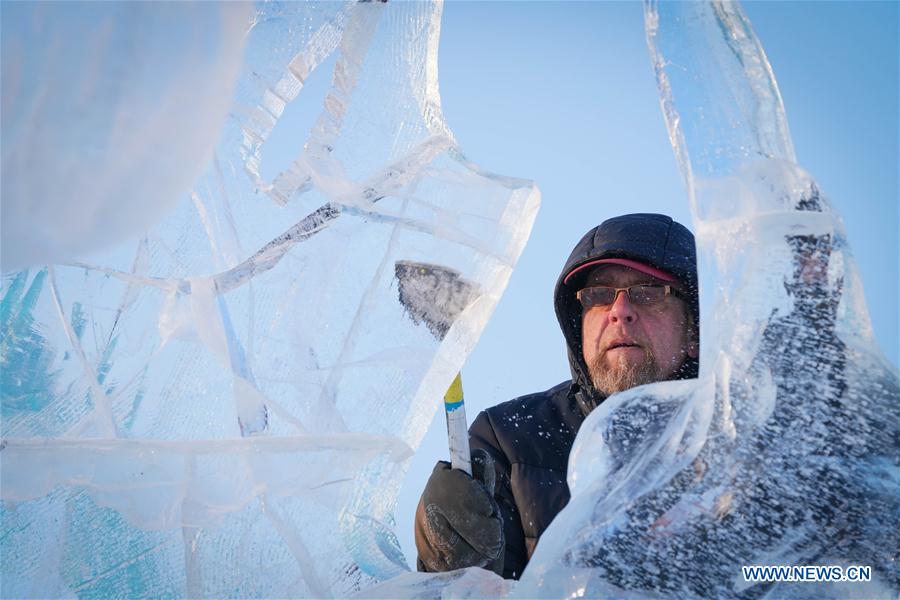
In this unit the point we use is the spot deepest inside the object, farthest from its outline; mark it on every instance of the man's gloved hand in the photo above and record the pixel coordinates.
(458, 521)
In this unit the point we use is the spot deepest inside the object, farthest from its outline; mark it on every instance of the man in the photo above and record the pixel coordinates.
(627, 305)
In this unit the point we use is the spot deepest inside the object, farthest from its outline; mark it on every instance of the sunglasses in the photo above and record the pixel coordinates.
(640, 295)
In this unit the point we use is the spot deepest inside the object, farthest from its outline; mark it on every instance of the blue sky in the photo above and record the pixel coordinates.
(563, 93)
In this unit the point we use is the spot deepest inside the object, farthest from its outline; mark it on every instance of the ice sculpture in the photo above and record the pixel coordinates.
(110, 111)
(786, 450)
(224, 406)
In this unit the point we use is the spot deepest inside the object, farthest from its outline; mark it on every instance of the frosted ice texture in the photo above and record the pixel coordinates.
(462, 583)
(785, 451)
(225, 406)
(110, 111)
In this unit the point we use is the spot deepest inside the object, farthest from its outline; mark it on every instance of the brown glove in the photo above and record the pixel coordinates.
(458, 521)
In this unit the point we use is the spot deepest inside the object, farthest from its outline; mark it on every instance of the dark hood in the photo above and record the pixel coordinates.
(652, 239)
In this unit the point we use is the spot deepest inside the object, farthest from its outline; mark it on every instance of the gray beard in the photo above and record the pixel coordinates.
(619, 377)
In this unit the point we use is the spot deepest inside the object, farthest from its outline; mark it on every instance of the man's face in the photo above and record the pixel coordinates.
(624, 344)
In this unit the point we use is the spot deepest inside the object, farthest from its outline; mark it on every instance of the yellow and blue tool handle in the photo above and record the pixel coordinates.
(457, 428)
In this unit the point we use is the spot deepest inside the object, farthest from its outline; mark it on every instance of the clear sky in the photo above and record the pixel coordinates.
(564, 94)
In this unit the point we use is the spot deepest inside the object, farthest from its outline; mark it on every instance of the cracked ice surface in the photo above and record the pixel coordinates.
(786, 450)
(193, 412)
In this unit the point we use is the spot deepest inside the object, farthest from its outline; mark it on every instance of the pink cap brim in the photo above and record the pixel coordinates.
(631, 264)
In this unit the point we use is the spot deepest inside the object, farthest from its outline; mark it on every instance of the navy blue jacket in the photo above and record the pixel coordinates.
(530, 439)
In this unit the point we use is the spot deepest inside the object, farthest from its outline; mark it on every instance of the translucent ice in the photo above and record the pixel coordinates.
(110, 111)
(224, 406)
(460, 584)
(786, 450)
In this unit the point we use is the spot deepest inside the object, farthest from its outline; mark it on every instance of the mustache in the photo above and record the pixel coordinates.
(626, 342)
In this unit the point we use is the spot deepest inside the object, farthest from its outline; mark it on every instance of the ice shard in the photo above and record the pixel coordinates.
(224, 406)
(786, 450)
